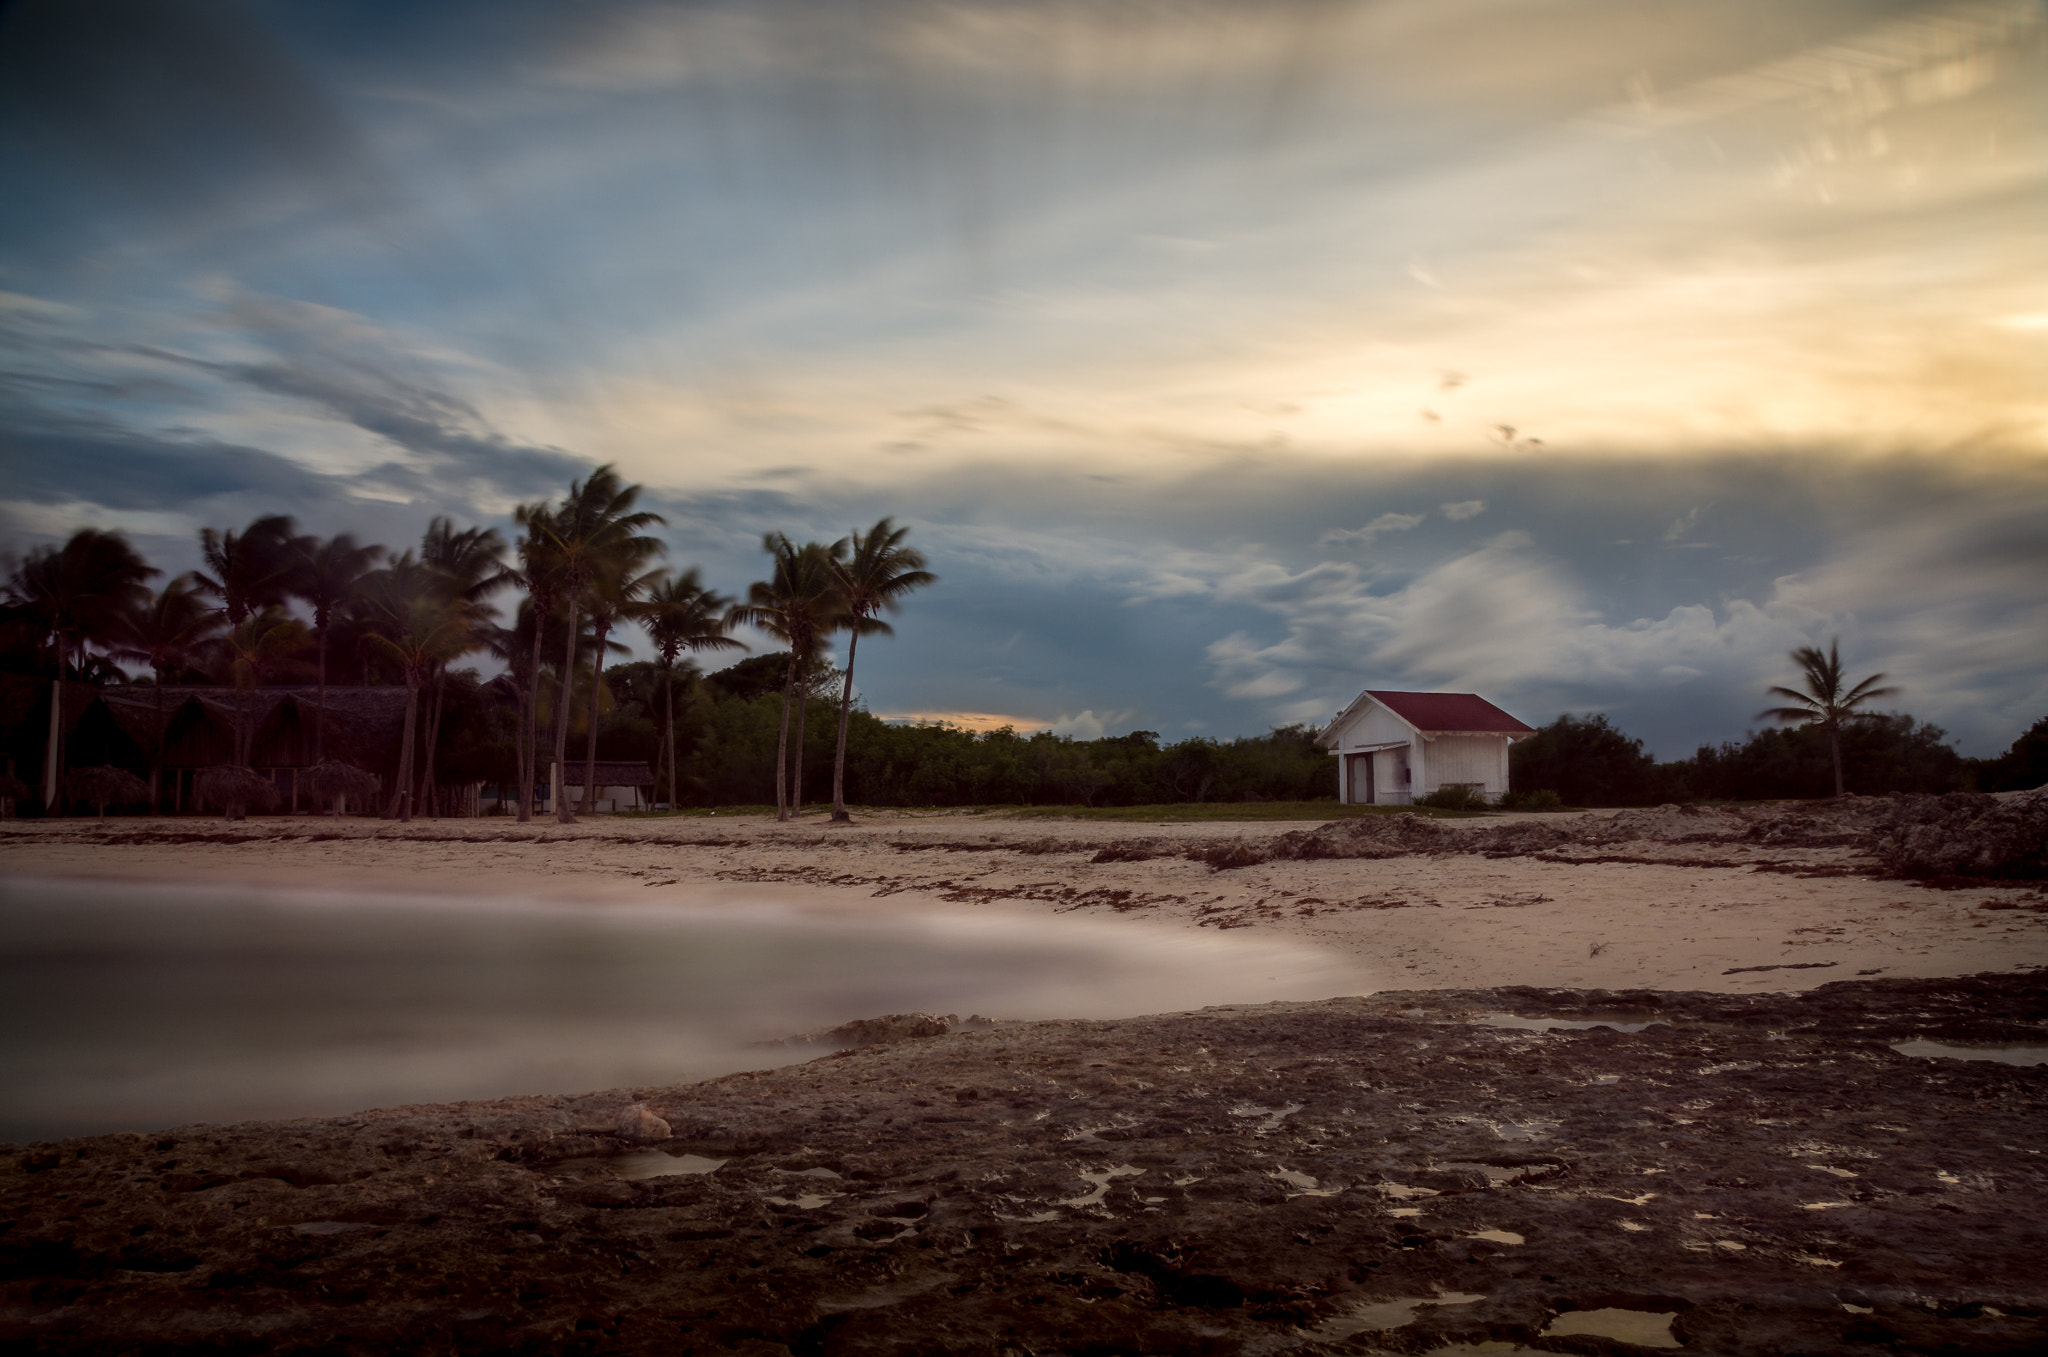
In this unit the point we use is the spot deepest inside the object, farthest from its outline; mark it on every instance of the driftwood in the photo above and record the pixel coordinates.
(235, 790)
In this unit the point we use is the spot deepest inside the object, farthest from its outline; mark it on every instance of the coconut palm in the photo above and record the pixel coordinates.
(595, 528)
(800, 604)
(680, 614)
(168, 633)
(325, 576)
(259, 650)
(615, 590)
(875, 573)
(421, 631)
(71, 597)
(1824, 703)
(540, 575)
(251, 569)
(468, 566)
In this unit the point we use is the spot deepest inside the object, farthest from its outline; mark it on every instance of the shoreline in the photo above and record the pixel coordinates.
(1663, 899)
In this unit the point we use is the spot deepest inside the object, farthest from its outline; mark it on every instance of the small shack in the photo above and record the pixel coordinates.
(1394, 748)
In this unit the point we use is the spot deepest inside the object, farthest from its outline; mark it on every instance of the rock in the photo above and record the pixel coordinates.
(1966, 834)
(640, 1126)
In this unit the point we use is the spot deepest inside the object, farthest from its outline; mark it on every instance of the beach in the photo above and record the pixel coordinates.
(1712, 1080)
(1662, 899)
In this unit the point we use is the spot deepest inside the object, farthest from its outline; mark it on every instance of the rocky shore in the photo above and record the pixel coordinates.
(1417, 1172)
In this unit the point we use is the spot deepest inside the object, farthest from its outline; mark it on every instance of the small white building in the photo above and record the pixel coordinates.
(1395, 748)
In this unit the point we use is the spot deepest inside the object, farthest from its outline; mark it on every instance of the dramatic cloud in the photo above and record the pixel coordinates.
(1225, 358)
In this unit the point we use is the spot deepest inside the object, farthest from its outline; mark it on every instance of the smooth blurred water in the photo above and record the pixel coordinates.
(126, 1007)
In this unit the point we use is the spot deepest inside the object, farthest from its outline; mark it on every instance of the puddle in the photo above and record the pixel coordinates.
(1628, 1023)
(810, 1201)
(1304, 1184)
(1403, 1192)
(1498, 1237)
(1644, 1328)
(334, 1227)
(1273, 1115)
(636, 1165)
(1379, 1315)
(1492, 1348)
(886, 1295)
(2005, 1055)
(1101, 1178)
(1405, 1212)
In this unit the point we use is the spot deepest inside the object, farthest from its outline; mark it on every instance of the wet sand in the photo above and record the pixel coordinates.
(1664, 911)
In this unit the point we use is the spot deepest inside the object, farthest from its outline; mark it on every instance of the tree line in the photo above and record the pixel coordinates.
(582, 567)
(271, 606)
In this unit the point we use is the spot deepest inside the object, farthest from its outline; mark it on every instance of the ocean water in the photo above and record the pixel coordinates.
(132, 1007)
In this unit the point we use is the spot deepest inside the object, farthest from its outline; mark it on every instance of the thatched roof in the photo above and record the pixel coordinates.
(611, 773)
(363, 724)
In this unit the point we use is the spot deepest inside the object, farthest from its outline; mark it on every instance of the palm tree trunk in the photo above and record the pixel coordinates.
(156, 765)
(782, 744)
(529, 752)
(669, 700)
(839, 814)
(1835, 748)
(320, 712)
(796, 791)
(54, 749)
(590, 736)
(563, 815)
(426, 800)
(401, 801)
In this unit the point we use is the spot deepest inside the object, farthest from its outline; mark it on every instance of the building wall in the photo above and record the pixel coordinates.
(1479, 761)
(1393, 770)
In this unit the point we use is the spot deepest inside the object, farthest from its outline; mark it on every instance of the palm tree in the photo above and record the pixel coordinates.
(615, 591)
(595, 528)
(1824, 703)
(325, 575)
(70, 597)
(875, 573)
(800, 604)
(421, 630)
(259, 649)
(168, 633)
(468, 566)
(539, 574)
(251, 569)
(680, 614)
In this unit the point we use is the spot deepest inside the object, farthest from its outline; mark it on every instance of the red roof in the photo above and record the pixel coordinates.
(1433, 712)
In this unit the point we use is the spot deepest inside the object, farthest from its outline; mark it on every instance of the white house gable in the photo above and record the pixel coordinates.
(1393, 748)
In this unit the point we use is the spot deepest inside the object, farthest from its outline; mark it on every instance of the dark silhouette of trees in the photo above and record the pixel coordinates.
(1587, 762)
(680, 614)
(69, 598)
(169, 633)
(594, 528)
(1825, 702)
(875, 573)
(800, 604)
(325, 576)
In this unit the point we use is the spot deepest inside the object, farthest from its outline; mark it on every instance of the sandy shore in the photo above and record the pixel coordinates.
(1782, 1162)
(1655, 901)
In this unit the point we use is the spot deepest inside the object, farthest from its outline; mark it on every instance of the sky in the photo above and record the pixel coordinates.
(1224, 359)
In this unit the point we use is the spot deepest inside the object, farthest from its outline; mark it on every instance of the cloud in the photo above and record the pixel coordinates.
(1460, 510)
(1088, 725)
(1385, 523)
